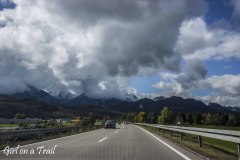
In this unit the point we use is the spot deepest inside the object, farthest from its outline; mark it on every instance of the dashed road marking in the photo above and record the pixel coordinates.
(102, 139)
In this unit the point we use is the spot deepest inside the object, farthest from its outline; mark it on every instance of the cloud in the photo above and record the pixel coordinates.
(89, 13)
(89, 46)
(224, 89)
(197, 41)
(225, 84)
(223, 100)
(236, 6)
(181, 84)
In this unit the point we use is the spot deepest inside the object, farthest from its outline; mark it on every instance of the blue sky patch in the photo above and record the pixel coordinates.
(8, 4)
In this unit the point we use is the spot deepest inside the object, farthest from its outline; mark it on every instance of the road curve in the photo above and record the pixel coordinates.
(127, 142)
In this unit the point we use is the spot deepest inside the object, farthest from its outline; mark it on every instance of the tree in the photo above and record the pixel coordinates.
(233, 120)
(189, 118)
(208, 119)
(20, 125)
(217, 119)
(197, 118)
(78, 121)
(121, 118)
(165, 116)
(105, 118)
(181, 118)
(151, 118)
(141, 117)
(85, 121)
(130, 117)
(20, 116)
(91, 118)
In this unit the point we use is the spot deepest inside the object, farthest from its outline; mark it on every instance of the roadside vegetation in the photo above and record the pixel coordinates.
(212, 148)
(8, 125)
(215, 120)
(78, 125)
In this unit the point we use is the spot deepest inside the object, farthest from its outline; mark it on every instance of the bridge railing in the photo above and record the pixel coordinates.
(226, 135)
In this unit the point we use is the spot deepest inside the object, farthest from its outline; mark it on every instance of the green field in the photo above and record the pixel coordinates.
(219, 144)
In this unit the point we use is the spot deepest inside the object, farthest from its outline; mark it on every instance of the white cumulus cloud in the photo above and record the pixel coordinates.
(197, 41)
(89, 46)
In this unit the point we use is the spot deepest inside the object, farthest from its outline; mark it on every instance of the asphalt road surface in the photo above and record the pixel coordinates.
(127, 142)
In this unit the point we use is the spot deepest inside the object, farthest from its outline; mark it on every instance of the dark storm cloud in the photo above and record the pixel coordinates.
(15, 77)
(195, 71)
(92, 11)
(63, 43)
(137, 34)
(183, 83)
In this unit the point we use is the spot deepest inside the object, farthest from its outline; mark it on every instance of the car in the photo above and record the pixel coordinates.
(110, 124)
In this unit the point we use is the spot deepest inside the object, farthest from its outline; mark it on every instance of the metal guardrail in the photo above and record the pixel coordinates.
(13, 133)
(226, 135)
(214, 131)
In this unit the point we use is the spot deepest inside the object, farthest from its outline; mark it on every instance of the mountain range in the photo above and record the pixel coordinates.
(39, 103)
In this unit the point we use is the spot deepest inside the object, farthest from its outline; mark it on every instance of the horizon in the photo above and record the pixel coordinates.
(127, 97)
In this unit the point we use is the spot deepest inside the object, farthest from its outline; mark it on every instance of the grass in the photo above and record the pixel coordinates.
(212, 148)
(69, 124)
(8, 125)
(220, 144)
(225, 145)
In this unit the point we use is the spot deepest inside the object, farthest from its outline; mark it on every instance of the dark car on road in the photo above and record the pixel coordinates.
(110, 124)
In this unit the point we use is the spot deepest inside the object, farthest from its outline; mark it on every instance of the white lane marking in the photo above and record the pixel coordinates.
(173, 149)
(102, 139)
(115, 131)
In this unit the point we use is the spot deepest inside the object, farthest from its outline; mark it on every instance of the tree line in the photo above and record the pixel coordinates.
(167, 117)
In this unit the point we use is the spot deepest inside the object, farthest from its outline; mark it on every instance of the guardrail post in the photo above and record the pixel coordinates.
(170, 133)
(200, 141)
(181, 136)
(238, 148)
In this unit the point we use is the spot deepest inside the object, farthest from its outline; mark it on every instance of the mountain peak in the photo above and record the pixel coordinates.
(35, 93)
(131, 97)
(159, 98)
(66, 95)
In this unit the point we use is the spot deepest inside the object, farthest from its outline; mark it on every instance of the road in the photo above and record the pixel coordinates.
(127, 142)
